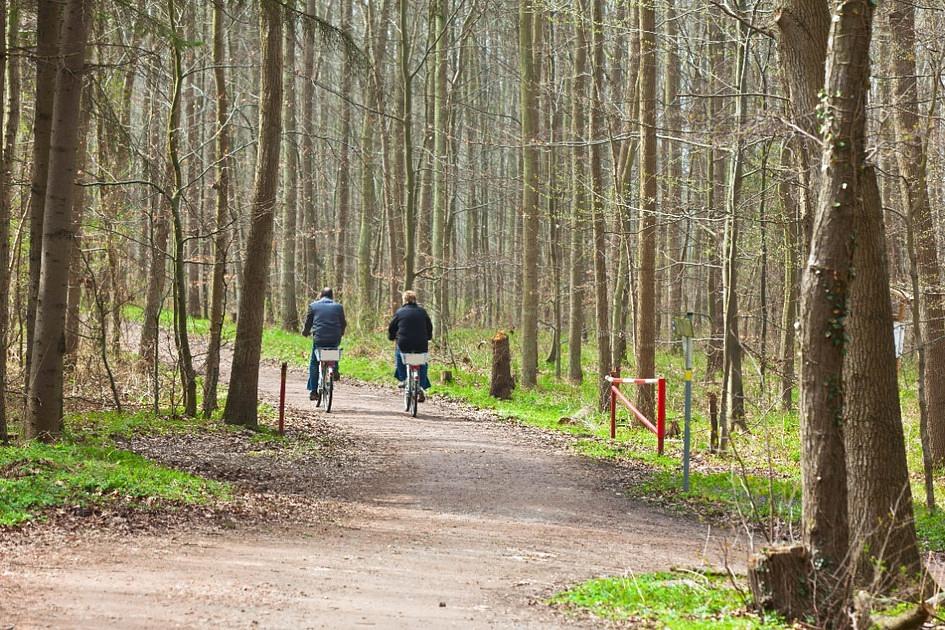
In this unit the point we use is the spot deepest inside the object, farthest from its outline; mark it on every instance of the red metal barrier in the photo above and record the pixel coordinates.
(615, 394)
(285, 367)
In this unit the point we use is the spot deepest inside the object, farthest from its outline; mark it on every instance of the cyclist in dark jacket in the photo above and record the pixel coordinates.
(326, 323)
(412, 329)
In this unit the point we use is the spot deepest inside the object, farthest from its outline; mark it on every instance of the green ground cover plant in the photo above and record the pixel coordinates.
(87, 469)
(678, 600)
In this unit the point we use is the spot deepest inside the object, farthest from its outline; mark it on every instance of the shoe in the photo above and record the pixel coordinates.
(318, 399)
(401, 384)
(421, 397)
(312, 395)
(335, 376)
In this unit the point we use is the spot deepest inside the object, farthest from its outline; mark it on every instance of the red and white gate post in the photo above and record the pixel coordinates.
(615, 394)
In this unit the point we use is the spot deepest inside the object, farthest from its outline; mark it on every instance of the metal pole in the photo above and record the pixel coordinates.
(613, 411)
(660, 414)
(285, 367)
(687, 343)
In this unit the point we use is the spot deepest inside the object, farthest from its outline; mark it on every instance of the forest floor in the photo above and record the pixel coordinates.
(451, 519)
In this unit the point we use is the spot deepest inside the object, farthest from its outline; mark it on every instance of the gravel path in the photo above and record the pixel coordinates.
(452, 520)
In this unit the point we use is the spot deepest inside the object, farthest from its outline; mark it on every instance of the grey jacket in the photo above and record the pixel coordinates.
(325, 322)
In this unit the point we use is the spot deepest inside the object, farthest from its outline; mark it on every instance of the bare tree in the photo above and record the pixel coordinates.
(242, 399)
(44, 399)
(530, 33)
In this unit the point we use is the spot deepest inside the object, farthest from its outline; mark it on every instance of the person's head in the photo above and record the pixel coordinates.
(410, 297)
(327, 293)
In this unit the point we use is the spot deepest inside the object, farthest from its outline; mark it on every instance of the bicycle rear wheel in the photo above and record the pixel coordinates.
(407, 394)
(414, 399)
(330, 390)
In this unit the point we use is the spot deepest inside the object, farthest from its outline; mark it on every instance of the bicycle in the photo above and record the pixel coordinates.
(413, 361)
(327, 364)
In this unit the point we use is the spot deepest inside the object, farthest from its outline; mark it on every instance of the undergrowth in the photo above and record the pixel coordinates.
(679, 600)
(83, 472)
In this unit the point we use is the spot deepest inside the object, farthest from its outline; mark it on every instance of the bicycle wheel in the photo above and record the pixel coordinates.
(407, 393)
(318, 386)
(414, 399)
(330, 389)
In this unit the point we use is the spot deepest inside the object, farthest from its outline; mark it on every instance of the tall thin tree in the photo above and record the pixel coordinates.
(242, 399)
(44, 398)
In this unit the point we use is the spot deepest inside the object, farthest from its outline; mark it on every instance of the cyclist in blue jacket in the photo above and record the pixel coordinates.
(326, 323)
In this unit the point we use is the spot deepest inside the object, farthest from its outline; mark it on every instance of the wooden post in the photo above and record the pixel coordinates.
(714, 421)
(501, 385)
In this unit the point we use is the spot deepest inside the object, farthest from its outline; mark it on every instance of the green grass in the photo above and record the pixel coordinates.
(36, 476)
(677, 600)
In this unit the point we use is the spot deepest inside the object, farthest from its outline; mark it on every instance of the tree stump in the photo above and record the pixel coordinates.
(446, 377)
(780, 580)
(501, 385)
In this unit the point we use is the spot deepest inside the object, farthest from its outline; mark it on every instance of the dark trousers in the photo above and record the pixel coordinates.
(400, 371)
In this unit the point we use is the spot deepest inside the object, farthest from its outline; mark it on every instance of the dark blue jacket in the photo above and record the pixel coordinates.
(411, 328)
(325, 322)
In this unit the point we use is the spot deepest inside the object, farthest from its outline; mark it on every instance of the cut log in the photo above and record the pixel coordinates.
(780, 580)
(446, 377)
(501, 385)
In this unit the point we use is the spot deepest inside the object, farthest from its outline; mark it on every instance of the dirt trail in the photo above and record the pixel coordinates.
(458, 522)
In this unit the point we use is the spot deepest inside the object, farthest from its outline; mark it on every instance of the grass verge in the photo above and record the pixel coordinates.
(675, 600)
(86, 470)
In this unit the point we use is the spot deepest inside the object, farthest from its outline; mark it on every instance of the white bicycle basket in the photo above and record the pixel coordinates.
(325, 354)
(411, 358)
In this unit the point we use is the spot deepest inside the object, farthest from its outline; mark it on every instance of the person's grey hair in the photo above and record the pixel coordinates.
(410, 297)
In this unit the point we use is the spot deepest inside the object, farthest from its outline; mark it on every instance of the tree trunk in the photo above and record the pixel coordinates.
(48, 14)
(578, 245)
(791, 244)
(911, 159)
(185, 362)
(158, 233)
(372, 203)
(242, 400)
(825, 295)
(734, 392)
(76, 274)
(44, 410)
(803, 26)
(9, 126)
(344, 163)
(715, 180)
(222, 236)
(410, 193)
(645, 337)
(438, 165)
(287, 285)
(882, 531)
(598, 192)
(674, 163)
(309, 215)
(530, 32)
